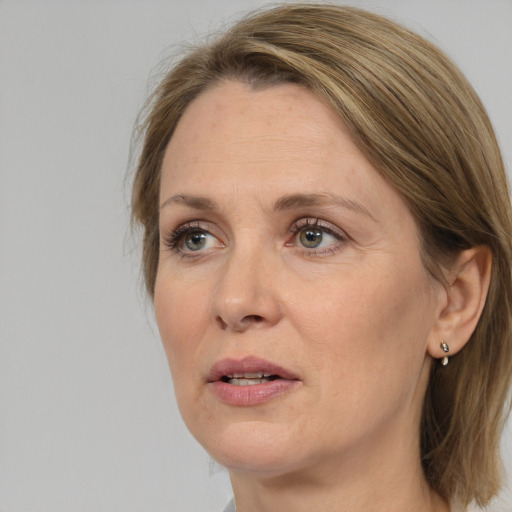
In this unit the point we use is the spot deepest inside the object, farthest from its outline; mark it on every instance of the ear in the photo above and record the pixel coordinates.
(468, 282)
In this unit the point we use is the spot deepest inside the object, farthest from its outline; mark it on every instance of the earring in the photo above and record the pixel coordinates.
(446, 349)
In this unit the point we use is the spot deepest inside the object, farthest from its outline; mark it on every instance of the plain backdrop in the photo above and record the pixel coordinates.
(88, 419)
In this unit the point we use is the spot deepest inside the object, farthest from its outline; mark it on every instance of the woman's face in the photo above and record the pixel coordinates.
(290, 295)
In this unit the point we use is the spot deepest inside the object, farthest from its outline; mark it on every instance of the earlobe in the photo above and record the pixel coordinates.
(466, 292)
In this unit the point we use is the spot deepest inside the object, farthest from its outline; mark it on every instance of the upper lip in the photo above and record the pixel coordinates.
(248, 364)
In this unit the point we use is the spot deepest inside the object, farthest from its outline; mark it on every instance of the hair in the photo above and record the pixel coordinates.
(420, 123)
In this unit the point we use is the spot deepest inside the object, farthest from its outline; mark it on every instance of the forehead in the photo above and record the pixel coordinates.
(234, 113)
(286, 128)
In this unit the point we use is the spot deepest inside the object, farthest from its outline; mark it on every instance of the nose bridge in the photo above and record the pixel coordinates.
(246, 289)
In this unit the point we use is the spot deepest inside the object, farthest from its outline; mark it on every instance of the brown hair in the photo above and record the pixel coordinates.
(417, 120)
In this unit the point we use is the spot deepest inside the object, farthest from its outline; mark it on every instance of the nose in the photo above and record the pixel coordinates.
(246, 294)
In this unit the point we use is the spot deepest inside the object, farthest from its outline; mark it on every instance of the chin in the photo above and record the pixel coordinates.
(252, 446)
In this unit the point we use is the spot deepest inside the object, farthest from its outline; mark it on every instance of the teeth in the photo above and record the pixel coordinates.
(258, 375)
(250, 381)
(249, 378)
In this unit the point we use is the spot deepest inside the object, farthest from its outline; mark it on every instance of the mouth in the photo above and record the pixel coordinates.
(250, 381)
(248, 371)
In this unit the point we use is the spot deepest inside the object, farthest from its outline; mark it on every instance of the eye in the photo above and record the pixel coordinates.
(191, 238)
(317, 236)
(197, 240)
(313, 238)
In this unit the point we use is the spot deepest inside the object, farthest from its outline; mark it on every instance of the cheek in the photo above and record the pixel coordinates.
(399, 320)
(369, 325)
(181, 312)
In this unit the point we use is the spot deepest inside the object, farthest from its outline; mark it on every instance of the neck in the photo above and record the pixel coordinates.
(399, 493)
(377, 480)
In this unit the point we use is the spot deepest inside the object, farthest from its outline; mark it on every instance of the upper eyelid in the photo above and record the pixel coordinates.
(172, 237)
(192, 224)
(317, 222)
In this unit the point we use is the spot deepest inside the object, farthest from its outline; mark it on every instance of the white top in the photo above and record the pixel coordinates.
(230, 507)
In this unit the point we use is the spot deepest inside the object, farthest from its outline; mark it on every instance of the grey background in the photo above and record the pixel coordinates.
(88, 419)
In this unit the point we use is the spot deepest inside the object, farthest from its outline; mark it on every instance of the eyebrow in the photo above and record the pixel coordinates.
(327, 199)
(285, 203)
(194, 202)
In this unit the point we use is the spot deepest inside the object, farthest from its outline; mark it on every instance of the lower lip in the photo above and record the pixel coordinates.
(251, 395)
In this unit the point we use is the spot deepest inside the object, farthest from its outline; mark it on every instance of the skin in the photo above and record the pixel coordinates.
(357, 318)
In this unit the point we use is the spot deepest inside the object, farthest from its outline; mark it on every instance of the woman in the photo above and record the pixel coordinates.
(327, 241)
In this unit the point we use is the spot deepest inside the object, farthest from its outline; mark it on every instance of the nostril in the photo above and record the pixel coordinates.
(252, 318)
(221, 323)
(242, 324)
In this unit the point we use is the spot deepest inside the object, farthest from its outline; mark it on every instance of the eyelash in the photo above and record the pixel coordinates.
(323, 226)
(174, 240)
